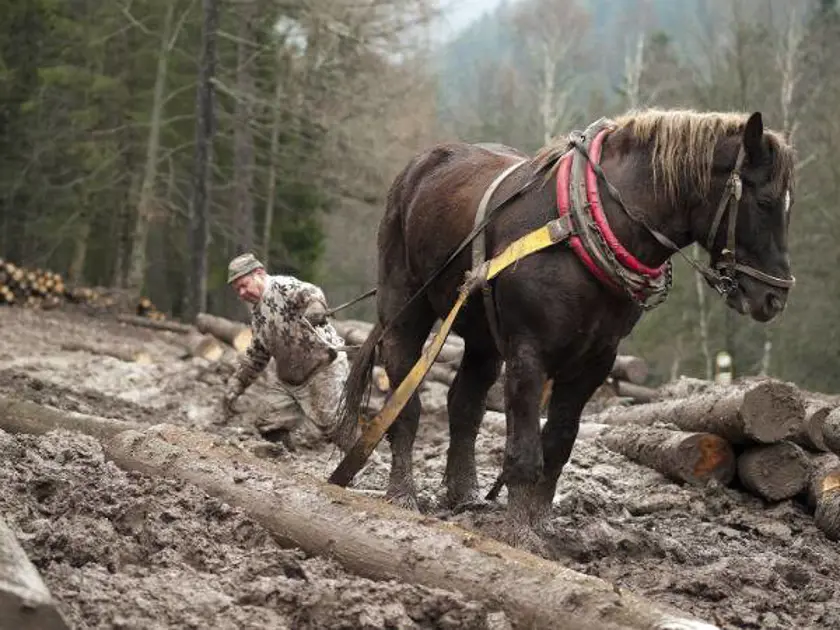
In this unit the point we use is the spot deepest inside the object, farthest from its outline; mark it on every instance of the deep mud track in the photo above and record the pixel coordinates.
(122, 550)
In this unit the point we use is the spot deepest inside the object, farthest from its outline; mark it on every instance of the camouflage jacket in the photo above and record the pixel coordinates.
(281, 330)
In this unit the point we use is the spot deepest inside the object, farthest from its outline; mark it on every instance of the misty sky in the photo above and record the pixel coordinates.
(459, 13)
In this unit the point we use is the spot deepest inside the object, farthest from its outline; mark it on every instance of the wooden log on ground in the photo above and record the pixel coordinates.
(631, 369)
(23, 416)
(127, 354)
(233, 333)
(380, 379)
(694, 458)
(205, 346)
(765, 412)
(811, 434)
(824, 493)
(639, 393)
(831, 431)
(25, 601)
(374, 539)
(145, 322)
(441, 374)
(774, 471)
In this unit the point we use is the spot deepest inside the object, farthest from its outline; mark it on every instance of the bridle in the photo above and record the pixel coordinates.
(720, 276)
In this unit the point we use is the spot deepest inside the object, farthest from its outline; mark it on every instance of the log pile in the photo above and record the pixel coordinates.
(770, 439)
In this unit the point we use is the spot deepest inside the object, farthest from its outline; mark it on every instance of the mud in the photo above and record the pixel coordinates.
(122, 550)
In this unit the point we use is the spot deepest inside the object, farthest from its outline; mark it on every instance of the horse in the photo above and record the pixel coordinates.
(636, 190)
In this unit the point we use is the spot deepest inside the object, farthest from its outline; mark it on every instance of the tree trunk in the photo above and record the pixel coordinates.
(638, 393)
(22, 416)
(136, 276)
(243, 141)
(767, 412)
(324, 520)
(25, 601)
(145, 322)
(694, 458)
(129, 355)
(201, 345)
(824, 494)
(629, 368)
(234, 333)
(774, 471)
(203, 158)
(811, 434)
(703, 313)
(271, 187)
(76, 271)
(831, 431)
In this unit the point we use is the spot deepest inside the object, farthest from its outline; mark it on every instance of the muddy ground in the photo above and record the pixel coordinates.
(121, 550)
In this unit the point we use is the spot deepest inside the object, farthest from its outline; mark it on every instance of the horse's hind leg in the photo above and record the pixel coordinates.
(401, 347)
(466, 403)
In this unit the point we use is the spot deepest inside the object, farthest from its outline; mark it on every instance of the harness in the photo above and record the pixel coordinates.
(581, 224)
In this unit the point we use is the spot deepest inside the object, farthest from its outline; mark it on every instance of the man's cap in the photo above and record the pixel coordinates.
(243, 265)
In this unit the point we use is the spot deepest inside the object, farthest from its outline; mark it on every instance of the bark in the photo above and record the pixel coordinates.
(325, 520)
(824, 494)
(233, 333)
(76, 271)
(127, 354)
(243, 141)
(203, 158)
(271, 186)
(703, 313)
(811, 434)
(201, 345)
(694, 458)
(145, 207)
(21, 416)
(766, 412)
(145, 322)
(774, 471)
(25, 601)
(631, 369)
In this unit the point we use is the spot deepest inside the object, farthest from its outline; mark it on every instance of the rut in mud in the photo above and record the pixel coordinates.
(122, 550)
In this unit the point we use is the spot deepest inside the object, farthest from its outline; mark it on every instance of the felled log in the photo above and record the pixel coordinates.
(25, 601)
(824, 493)
(145, 322)
(640, 393)
(380, 379)
(811, 434)
(23, 416)
(694, 458)
(774, 471)
(766, 412)
(629, 368)
(201, 345)
(326, 520)
(129, 355)
(831, 431)
(233, 333)
(441, 374)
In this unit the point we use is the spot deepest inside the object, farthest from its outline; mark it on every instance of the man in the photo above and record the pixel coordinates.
(289, 322)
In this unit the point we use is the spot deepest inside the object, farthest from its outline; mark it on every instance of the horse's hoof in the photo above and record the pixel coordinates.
(405, 500)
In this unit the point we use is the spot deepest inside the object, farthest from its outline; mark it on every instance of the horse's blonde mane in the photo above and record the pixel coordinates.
(682, 145)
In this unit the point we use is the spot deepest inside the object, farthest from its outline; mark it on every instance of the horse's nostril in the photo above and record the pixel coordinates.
(774, 302)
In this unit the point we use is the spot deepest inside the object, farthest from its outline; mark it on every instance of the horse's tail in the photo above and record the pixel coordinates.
(356, 390)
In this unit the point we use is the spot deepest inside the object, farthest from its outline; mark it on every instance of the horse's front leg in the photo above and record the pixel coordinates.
(523, 463)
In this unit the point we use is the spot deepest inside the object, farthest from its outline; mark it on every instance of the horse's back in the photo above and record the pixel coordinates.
(433, 201)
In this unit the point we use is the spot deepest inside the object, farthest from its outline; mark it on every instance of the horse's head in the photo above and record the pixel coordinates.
(748, 237)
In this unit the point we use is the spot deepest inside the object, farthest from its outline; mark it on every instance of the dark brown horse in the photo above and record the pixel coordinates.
(666, 176)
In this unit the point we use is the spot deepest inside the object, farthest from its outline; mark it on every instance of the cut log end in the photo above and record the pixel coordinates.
(824, 494)
(772, 411)
(774, 471)
(242, 340)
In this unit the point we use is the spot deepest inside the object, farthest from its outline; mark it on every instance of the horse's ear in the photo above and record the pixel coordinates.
(753, 133)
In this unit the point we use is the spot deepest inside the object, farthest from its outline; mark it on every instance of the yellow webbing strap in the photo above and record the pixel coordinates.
(545, 236)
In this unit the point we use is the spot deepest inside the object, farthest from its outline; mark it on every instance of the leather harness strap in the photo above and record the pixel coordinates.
(479, 253)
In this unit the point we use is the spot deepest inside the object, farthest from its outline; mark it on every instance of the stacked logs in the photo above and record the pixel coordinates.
(762, 436)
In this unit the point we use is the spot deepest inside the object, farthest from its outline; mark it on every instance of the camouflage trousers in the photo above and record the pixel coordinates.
(317, 399)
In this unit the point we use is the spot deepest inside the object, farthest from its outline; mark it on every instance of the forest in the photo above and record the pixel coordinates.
(144, 143)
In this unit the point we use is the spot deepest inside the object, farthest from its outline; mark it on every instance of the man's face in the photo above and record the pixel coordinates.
(249, 288)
